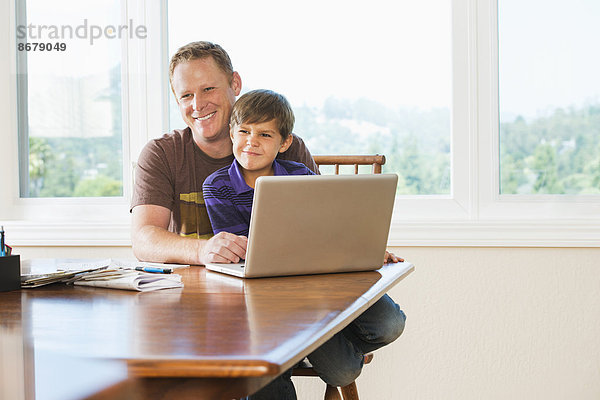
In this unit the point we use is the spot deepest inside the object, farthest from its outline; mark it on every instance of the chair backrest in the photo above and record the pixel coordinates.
(376, 161)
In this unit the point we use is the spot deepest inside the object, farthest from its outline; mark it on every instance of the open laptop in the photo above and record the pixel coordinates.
(315, 224)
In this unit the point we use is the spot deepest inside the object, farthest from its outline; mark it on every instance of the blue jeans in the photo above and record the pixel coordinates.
(339, 361)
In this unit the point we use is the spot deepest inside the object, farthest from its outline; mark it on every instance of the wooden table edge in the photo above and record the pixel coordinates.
(219, 368)
(340, 322)
(193, 368)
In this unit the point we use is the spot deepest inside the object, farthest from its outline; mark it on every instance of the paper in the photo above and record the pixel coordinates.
(109, 273)
(33, 281)
(115, 278)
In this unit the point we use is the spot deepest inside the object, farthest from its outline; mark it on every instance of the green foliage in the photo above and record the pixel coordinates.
(100, 186)
(544, 162)
(40, 154)
(67, 167)
(416, 143)
(70, 166)
(555, 154)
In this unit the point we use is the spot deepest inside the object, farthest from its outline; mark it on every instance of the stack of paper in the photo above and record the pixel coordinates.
(116, 278)
(108, 273)
(37, 280)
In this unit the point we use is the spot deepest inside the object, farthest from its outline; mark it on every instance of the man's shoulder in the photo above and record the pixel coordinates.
(172, 144)
(174, 137)
(294, 167)
(299, 152)
(219, 178)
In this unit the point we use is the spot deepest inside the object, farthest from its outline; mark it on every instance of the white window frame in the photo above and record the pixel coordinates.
(474, 214)
(491, 219)
(85, 221)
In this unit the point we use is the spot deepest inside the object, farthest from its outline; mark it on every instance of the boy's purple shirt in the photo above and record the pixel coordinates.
(228, 198)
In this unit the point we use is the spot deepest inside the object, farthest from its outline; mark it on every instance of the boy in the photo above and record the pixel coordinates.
(260, 127)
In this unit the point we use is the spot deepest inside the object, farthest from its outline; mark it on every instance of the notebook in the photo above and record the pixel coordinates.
(315, 224)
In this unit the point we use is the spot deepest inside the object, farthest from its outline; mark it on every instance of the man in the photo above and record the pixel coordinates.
(170, 222)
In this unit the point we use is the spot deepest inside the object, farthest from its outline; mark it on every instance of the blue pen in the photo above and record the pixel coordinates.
(154, 269)
(2, 247)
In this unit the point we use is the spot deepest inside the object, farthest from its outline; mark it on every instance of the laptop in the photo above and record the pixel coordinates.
(316, 224)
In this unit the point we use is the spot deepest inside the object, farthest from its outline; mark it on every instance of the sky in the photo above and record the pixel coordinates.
(548, 54)
(80, 58)
(398, 53)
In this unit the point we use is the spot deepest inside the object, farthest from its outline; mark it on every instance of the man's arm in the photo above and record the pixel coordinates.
(153, 242)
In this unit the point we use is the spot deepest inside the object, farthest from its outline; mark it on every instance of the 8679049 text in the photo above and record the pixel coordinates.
(43, 46)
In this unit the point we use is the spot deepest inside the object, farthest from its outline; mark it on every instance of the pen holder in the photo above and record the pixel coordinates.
(10, 273)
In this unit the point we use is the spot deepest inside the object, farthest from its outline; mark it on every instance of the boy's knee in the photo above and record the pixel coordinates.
(393, 327)
(342, 376)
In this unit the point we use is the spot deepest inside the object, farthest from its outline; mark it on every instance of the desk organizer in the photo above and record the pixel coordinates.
(10, 273)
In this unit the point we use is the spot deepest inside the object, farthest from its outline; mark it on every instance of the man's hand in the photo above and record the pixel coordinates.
(224, 248)
(391, 257)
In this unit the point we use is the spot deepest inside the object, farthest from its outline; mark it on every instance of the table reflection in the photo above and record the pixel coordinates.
(216, 326)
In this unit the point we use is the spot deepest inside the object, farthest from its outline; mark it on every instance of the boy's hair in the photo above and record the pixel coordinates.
(264, 105)
(198, 50)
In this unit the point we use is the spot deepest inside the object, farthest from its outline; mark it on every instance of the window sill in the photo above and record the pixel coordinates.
(413, 233)
(557, 233)
(41, 234)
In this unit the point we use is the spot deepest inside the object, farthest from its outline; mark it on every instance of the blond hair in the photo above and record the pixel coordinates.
(199, 50)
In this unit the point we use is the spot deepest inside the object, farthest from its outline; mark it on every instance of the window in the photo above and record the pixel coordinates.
(448, 90)
(549, 91)
(520, 157)
(70, 99)
(361, 80)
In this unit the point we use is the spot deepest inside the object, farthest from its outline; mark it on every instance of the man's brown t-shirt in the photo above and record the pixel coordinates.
(170, 172)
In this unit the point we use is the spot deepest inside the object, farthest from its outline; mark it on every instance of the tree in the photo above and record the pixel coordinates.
(40, 154)
(101, 186)
(544, 163)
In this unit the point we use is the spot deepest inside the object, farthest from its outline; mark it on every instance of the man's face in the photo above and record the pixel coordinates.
(205, 98)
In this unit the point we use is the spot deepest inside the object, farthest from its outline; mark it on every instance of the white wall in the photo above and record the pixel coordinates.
(492, 323)
(483, 323)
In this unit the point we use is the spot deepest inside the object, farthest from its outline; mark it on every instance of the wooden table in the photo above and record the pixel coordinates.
(219, 337)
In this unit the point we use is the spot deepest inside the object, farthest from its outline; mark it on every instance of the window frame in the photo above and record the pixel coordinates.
(94, 220)
(474, 214)
(493, 204)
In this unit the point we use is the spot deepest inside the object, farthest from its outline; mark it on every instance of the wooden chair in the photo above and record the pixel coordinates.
(375, 161)
(350, 391)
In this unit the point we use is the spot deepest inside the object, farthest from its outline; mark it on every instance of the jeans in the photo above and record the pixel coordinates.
(339, 361)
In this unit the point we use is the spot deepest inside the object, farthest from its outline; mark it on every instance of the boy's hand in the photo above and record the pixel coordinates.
(391, 257)
(224, 247)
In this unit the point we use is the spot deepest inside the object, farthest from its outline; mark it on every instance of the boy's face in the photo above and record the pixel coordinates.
(255, 146)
